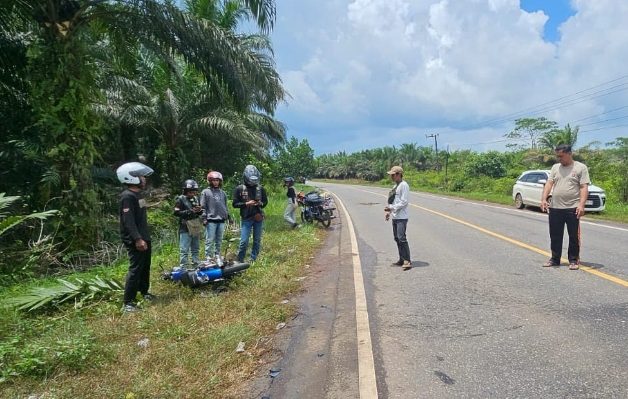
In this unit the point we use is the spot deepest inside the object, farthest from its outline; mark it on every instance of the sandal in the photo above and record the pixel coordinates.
(574, 266)
(550, 263)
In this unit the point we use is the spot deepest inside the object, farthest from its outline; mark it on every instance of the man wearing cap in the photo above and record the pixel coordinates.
(398, 207)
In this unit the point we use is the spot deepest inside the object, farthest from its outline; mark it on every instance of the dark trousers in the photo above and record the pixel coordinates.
(558, 218)
(138, 277)
(399, 233)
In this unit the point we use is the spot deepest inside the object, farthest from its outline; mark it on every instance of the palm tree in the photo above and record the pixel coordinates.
(555, 137)
(186, 118)
(63, 38)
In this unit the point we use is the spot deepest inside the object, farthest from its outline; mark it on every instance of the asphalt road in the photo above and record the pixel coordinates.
(477, 316)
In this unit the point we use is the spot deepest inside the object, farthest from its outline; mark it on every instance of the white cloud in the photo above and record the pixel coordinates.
(304, 99)
(377, 66)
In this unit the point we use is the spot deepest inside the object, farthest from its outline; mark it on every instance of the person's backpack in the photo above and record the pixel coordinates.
(245, 192)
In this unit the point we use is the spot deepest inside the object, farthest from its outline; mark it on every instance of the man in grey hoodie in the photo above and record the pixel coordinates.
(215, 213)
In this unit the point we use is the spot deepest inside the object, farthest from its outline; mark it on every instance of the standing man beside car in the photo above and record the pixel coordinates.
(569, 181)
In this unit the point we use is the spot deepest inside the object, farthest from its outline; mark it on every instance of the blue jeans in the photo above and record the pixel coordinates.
(245, 232)
(213, 238)
(187, 244)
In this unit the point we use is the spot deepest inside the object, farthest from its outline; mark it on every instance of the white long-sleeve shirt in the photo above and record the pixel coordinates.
(399, 207)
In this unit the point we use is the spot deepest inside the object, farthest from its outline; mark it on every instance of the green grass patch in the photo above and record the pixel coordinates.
(190, 336)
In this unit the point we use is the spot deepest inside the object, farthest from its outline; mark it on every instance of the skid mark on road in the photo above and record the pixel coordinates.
(366, 364)
(532, 248)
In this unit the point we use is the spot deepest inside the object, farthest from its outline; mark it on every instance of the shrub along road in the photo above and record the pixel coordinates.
(477, 316)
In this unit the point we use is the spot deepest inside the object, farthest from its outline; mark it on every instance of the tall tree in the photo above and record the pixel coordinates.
(530, 129)
(295, 158)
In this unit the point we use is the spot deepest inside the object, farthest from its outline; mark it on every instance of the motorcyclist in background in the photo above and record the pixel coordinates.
(292, 205)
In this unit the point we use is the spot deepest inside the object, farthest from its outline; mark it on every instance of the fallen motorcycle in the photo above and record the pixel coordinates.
(204, 274)
(315, 207)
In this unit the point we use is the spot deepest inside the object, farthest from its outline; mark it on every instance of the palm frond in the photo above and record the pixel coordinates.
(7, 201)
(226, 63)
(81, 291)
(264, 11)
(11, 221)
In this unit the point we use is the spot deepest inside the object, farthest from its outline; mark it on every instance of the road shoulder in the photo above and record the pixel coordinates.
(316, 354)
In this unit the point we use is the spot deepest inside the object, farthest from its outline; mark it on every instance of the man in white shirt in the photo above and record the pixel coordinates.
(398, 208)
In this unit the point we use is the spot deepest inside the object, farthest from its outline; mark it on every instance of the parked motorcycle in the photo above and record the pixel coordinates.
(315, 207)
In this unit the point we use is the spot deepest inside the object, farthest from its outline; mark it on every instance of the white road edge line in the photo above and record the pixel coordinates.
(366, 364)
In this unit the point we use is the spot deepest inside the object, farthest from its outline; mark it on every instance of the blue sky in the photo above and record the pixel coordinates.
(558, 12)
(370, 73)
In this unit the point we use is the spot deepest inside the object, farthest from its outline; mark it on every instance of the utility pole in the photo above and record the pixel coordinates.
(446, 164)
(435, 147)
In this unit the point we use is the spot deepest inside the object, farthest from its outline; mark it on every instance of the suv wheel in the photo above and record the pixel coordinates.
(519, 202)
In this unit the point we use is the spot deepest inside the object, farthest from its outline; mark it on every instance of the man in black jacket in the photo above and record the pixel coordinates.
(251, 198)
(134, 232)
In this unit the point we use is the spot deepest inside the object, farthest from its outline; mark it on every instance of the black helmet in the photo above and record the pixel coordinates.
(288, 180)
(251, 175)
(190, 185)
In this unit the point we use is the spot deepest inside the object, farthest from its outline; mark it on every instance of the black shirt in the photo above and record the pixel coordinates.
(252, 193)
(133, 221)
(292, 195)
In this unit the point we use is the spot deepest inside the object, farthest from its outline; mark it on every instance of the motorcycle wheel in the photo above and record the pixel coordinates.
(306, 217)
(326, 218)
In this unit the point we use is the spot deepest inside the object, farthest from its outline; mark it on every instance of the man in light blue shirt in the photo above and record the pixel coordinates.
(398, 208)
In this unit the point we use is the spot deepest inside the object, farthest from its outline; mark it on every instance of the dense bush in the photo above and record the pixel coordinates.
(492, 164)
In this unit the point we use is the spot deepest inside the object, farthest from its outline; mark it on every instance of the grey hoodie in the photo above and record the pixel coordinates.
(214, 204)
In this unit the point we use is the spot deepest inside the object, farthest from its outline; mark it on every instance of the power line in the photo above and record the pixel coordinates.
(605, 120)
(603, 113)
(567, 103)
(485, 142)
(603, 127)
(559, 100)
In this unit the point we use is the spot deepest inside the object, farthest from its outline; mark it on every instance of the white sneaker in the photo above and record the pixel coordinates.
(129, 308)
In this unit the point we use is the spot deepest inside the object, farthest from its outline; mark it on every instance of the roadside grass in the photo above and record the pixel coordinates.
(190, 336)
(615, 211)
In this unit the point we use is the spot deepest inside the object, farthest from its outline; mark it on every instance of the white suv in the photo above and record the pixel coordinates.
(529, 188)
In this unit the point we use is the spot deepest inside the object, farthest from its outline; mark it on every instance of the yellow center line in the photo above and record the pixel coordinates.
(587, 269)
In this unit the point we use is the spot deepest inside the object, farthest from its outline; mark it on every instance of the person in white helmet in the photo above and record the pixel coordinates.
(134, 232)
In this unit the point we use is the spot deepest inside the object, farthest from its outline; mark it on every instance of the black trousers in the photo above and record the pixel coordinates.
(558, 218)
(138, 277)
(399, 233)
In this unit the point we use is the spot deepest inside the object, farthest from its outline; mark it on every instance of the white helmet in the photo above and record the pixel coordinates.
(129, 172)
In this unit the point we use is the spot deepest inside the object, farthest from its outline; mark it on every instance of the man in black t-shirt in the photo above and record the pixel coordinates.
(250, 198)
(134, 232)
